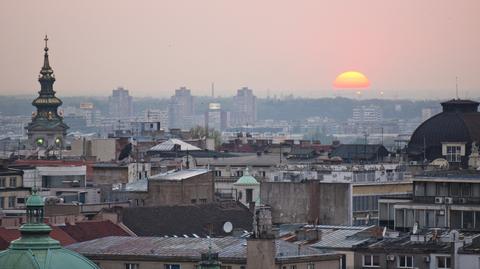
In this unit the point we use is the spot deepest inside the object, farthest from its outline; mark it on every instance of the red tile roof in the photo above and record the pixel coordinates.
(89, 230)
(8, 235)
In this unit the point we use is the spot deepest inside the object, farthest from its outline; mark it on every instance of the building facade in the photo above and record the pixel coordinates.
(181, 109)
(244, 108)
(120, 103)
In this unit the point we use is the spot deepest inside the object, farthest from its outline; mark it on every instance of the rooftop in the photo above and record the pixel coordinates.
(244, 160)
(180, 174)
(174, 144)
(332, 237)
(229, 248)
(200, 219)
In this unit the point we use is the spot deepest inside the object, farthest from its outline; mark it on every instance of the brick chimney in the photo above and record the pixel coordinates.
(261, 249)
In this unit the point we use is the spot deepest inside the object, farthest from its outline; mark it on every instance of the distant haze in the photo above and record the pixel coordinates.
(407, 48)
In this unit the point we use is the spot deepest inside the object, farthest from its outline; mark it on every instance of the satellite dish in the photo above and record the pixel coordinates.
(228, 227)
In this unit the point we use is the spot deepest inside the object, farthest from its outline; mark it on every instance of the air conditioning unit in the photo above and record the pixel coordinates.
(448, 200)
(391, 258)
(462, 200)
(438, 200)
(426, 259)
(441, 213)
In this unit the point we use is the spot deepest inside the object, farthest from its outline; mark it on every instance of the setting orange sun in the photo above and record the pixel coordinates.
(351, 80)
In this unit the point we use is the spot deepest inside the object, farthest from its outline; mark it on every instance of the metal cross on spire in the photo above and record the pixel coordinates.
(46, 42)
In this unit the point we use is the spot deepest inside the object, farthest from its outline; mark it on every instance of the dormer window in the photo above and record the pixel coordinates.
(453, 152)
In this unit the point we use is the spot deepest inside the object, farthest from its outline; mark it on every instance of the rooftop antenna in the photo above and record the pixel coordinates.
(456, 86)
(415, 228)
(213, 89)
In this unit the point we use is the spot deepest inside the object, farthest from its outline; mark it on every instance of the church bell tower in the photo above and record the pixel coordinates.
(47, 129)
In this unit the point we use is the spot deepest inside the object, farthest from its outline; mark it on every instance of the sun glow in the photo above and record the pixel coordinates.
(351, 80)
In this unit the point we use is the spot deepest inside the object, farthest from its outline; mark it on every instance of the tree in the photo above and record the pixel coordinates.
(199, 132)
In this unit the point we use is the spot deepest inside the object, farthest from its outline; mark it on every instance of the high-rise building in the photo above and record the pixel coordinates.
(244, 107)
(47, 129)
(216, 118)
(120, 103)
(181, 109)
(366, 114)
(157, 115)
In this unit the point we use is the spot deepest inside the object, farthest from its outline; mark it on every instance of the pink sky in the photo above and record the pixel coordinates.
(407, 48)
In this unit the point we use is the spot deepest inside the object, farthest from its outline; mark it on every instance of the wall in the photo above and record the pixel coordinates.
(173, 192)
(137, 171)
(469, 261)
(311, 201)
(418, 260)
(104, 149)
(113, 174)
(115, 264)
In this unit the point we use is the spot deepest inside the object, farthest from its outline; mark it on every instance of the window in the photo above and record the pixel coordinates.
(454, 154)
(371, 261)
(405, 261)
(20, 200)
(239, 173)
(194, 201)
(443, 262)
(442, 189)
(466, 189)
(467, 220)
(2, 182)
(249, 193)
(225, 267)
(13, 182)
(2, 202)
(311, 266)
(171, 266)
(203, 201)
(11, 201)
(293, 267)
(217, 173)
(132, 266)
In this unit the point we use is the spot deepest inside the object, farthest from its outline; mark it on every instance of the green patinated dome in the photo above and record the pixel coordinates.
(35, 249)
(51, 258)
(247, 179)
(35, 200)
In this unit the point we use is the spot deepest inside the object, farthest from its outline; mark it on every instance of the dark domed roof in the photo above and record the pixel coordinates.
(459, 122)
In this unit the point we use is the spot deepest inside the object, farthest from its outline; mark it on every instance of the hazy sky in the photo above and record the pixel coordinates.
(407, 48)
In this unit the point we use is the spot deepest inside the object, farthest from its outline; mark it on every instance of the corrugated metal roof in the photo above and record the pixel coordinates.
(170, 144)
(192, 248)
(180, 174)
(341, 237)
(331, 236)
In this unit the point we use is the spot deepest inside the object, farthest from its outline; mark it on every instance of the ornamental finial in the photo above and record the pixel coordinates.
(46, 43)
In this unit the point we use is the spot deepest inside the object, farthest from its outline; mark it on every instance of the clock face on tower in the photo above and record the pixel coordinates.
(40, 141)
(58, 141)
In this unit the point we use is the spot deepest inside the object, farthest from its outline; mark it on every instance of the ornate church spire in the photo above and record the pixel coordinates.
(46, 78)
(47, 128)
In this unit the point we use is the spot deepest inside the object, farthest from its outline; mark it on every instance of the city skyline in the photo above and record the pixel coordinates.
(274, 49)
